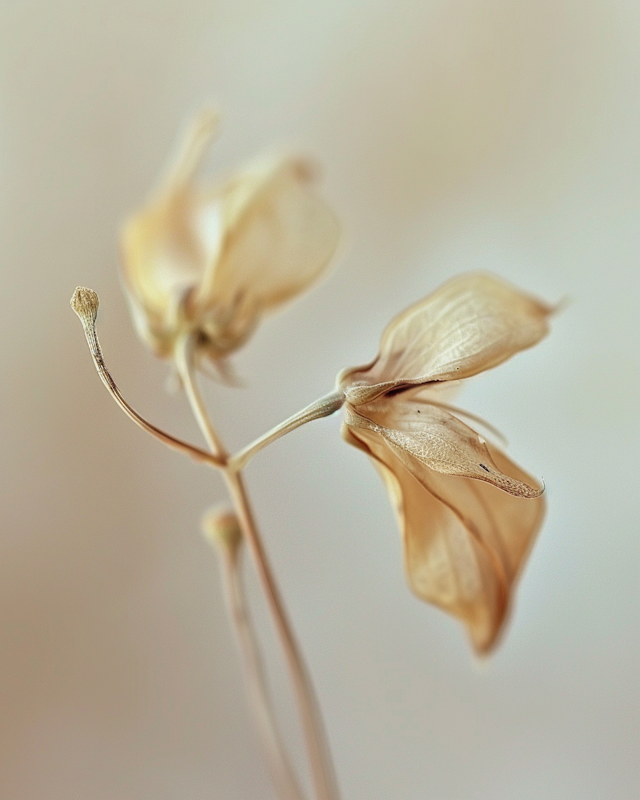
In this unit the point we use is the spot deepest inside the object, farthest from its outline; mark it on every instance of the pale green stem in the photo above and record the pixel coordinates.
(321, 768)
(323, 407)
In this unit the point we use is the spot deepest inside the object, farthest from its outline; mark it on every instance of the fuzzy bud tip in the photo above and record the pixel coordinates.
(85, 303)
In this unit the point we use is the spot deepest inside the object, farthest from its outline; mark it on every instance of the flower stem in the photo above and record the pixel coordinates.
(281, 770)
(321, 768)
(323, 407)
(184, 359)
(85, 303)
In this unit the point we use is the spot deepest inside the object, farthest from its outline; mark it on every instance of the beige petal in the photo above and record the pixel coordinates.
(164, 249)
(214, 261)
(162, 258)
(433, 437)
(465, 542)
(470, 324)
(278, 237)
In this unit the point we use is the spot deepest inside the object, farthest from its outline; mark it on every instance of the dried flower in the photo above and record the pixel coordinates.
(209, 262)
(468, 514)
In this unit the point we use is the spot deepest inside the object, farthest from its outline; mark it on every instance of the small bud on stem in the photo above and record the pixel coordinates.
(221, 528)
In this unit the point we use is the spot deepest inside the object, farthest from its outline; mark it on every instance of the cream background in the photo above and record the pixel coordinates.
(454, 136)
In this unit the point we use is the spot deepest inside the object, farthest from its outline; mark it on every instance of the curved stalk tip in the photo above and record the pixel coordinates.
(85, 303)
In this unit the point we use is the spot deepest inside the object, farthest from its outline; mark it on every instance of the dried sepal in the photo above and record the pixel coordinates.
(213, 261)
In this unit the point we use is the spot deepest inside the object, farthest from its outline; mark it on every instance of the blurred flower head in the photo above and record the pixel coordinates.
(208, 262)
(467, 513)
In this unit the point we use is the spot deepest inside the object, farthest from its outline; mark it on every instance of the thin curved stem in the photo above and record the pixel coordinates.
(322, 772)
(281, 770)
(85, 303)
(323, 407)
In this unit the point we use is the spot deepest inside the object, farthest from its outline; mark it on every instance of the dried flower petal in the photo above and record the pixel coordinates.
(278, 236)
(464, 541)
(468, 514)
(431, 436)
(472, 323)
(212, 261)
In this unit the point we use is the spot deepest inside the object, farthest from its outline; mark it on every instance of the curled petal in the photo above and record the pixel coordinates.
(470, 324)
(428, 436)
(465, 542)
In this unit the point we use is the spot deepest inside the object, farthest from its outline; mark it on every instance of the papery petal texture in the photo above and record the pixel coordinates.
(467, 513)
(464, 541)
(433, 437)
(470, 324)
(278, 236)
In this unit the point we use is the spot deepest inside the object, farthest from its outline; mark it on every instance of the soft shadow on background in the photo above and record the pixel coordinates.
(453, 136)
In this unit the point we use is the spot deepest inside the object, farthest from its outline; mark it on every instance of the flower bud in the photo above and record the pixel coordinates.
(221, 528)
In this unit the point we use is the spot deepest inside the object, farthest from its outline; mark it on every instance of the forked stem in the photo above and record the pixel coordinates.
(85, 303)
(321, 768)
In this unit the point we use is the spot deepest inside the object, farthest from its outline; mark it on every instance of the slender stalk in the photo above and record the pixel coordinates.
(85, 303)
(321, 768)
(281, 770)
(323, 407)
(183, 357)
(322, 772)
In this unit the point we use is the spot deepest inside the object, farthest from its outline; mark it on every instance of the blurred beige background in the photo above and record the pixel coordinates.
(480, 134)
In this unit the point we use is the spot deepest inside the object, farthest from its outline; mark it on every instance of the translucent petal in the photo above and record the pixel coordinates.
(465, 542)
(433, 437)
(162, 257)
(470, 324)
(163, 247)
(212, 262)
(278, 236)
